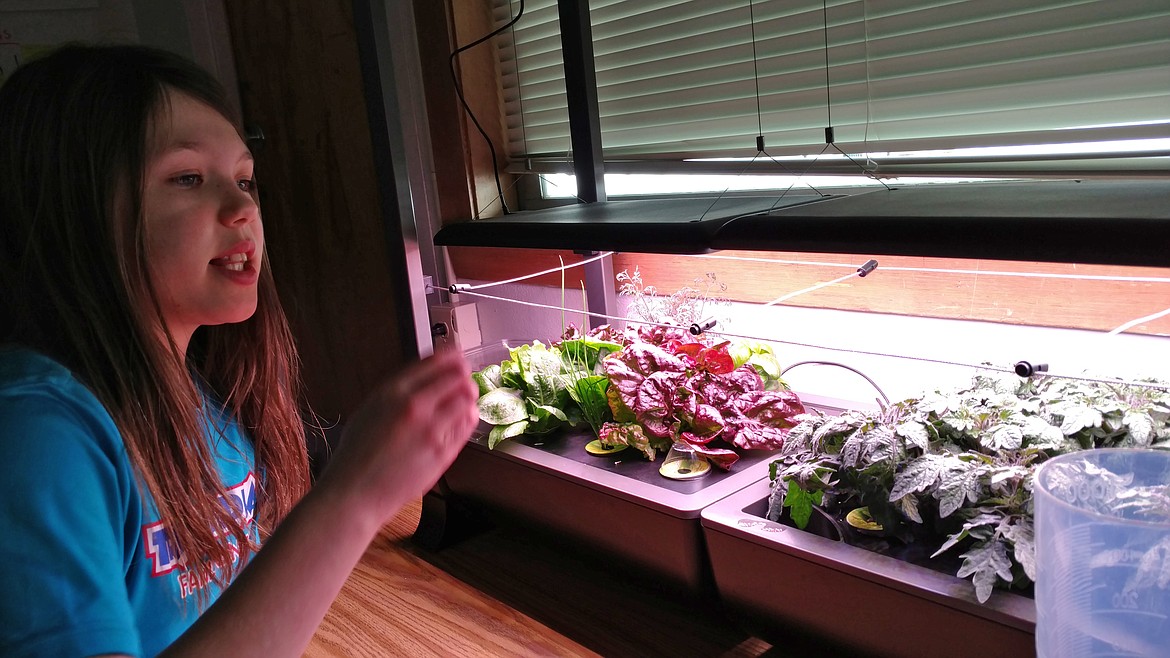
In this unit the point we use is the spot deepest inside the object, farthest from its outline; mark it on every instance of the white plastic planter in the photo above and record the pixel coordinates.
(785, 583)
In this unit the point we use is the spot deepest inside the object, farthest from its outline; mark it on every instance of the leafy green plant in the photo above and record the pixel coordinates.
(526, 394)
(584, 377)
(648, 386)
(955, 467)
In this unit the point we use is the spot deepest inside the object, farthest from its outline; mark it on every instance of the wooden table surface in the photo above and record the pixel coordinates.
(508, 592)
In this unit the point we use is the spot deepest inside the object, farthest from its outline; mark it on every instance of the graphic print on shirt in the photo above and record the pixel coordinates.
(165, 557)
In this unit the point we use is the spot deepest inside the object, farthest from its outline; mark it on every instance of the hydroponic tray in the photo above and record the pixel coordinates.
(784, 582)
(619, 504)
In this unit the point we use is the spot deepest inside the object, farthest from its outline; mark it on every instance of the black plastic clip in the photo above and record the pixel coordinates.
(1025, 369)
(869, 266)
(456, 288)
(698, 328)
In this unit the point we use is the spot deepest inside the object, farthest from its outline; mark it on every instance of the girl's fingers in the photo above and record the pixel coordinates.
(402, 439)
(431, 371)
(445, 396)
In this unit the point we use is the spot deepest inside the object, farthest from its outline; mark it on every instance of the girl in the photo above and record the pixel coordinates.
(150, 419)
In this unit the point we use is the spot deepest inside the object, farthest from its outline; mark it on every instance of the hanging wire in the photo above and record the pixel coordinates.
(830, 139)
(500, 197)
(756, 79)
(552, 182)
(467, 108)
(519, 82)
(799, 177)
(828, 86)
(516, 181)
(868, 95)
(760, 150)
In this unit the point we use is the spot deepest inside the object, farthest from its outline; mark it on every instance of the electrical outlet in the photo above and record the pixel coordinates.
(455, 326)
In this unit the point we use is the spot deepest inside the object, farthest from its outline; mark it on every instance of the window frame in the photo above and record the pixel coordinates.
(488, 263)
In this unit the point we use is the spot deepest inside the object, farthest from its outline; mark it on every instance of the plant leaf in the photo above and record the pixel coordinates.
(800, 503)
(1004, 437)
(918, 475)
(501, 432)
(915, 434)
(1077, 417)
(621, 412)
(540, 412)
(628, 434)
(851, 449)
(1141, 427)
(985, 562)
(541, 368)
(951, 540)
(761, 419)
(909, 506)
(957, 487)
(1042, 434)
(590, 395)
(502, 406)
(721, 457)
(1022, 536)
(488, 378)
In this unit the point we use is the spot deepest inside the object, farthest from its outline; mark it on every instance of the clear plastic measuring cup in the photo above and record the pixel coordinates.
(1103, 554)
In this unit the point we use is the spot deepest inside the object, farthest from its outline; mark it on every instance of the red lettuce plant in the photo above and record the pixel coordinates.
(694, 393)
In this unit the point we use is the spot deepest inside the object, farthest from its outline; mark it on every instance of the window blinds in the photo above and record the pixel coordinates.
(684, 79)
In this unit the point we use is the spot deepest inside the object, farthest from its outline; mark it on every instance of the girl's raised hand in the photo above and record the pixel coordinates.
(404, 436)
(394, 448)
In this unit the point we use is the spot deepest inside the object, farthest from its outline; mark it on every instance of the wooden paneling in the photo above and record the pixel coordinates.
(478, 73)
(448, 134)
(340, 278)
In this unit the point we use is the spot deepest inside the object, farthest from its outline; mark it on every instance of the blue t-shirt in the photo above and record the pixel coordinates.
(85, 565)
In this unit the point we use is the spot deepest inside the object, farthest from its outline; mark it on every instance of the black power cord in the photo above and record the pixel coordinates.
(467, 108)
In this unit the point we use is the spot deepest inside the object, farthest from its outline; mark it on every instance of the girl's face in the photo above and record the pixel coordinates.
(204, 237)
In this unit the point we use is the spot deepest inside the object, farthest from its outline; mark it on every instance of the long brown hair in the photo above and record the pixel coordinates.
(73, 285)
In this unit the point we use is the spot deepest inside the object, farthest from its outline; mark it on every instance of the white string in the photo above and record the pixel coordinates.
(553, 270)
(571, 310)
(944, 362)
(469, 290)
(1087, 277)
(810, 289)
(960, 364)
(1132, 323)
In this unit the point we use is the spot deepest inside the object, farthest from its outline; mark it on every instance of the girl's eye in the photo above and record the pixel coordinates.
(247, 184)
(188, 180)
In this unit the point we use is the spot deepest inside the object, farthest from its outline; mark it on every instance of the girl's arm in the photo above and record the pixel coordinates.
(394, 448)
